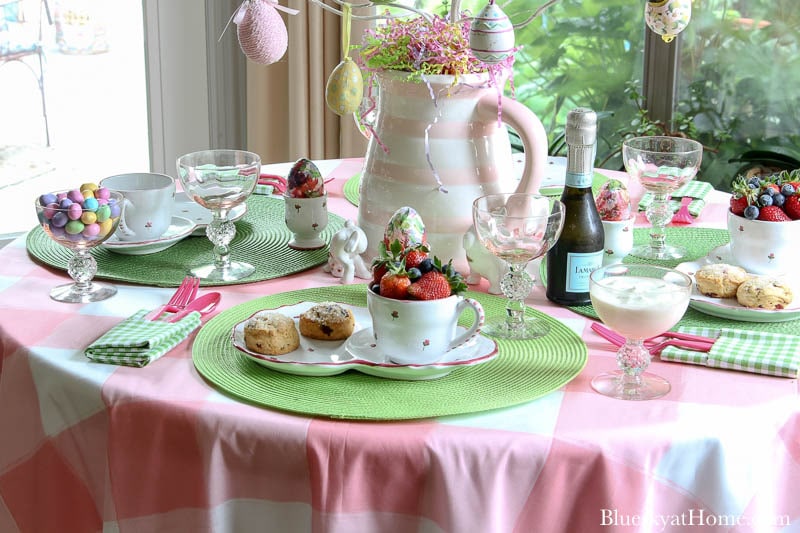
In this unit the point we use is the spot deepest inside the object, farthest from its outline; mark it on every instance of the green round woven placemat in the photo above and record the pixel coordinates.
(261, 239)
(522, 370)
(698, 243)
(350, 188)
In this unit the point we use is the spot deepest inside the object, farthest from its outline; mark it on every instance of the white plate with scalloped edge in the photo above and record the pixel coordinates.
(728, 307)
(185, 207)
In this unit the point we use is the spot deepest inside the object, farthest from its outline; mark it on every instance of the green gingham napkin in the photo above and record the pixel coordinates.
(137, 342)
(760, 352)
(693, 189)
(266, 190)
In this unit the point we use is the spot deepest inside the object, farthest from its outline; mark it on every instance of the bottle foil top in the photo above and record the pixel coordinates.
(581, 127)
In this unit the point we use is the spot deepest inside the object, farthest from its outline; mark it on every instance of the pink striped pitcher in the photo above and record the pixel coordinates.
(438, 155)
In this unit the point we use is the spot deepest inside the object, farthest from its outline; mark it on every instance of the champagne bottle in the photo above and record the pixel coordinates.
(579, 250)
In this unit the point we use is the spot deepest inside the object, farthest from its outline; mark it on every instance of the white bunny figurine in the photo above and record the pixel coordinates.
(344, 254)
(482, 263)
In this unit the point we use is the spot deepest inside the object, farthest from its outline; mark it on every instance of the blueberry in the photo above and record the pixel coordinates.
(751, 212)
(769, 190)
(414, 273)
(787, 189)
(754, 186)
(376, 288)
(765, 200)
(426, 265)
(778, 199)
(755, 180)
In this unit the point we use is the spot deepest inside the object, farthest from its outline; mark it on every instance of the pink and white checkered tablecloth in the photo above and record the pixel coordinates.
(93, 447)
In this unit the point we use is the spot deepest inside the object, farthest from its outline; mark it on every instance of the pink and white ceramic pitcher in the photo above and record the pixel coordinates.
(438, 155)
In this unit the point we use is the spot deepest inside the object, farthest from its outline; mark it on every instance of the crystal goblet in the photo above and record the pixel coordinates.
(80, 229)
(661, 165)
(219, 180)
(517, 228)
(638, 302)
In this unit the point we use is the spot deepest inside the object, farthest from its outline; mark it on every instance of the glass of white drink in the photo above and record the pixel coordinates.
(638, 302)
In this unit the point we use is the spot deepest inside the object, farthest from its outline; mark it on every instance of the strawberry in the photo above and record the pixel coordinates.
(432, 285)
(773, 213)
(792, 207)
(415, 256)
(738, 205)
(395, 285)
(377, 273)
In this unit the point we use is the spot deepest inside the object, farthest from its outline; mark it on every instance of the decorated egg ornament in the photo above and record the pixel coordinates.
(261, 30)
(491, 35)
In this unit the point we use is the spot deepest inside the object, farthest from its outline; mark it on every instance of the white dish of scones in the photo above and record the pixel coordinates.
(294, 339)
(725, 290)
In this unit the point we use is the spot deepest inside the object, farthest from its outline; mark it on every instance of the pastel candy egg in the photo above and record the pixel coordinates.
(91, 204)
(102, 193)
(75, 195)
(75, 211)
(47, 199)
(91, 230)
(345, 88)
(105, 226)
(61, 195)
(75, 237)
(55, 231)
(305, 180)
(103, 212)
(50, 210)
(491, 35)
(114, 210)
(64, 203)
(74, 227)
(406, 226)
(89, 186)
(59, 220)
(89, 217)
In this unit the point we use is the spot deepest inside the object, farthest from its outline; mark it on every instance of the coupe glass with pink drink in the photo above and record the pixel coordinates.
(638, 302)
(662, 165)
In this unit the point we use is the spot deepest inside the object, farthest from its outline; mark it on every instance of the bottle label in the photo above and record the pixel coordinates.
(579, 179)
(579, 266)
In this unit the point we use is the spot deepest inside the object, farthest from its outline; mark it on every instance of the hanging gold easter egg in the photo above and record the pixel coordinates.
(491, 35)
(345, 88)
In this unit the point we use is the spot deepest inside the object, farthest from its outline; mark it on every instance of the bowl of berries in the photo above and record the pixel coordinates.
(415, 300)
(764, 222)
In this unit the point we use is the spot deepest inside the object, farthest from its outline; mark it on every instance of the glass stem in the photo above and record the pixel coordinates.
(633, 358)
(221, 232)
(82, 267)
(516, 286)
(659, 215)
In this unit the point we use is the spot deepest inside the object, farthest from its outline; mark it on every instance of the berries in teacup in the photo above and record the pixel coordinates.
(773, 198)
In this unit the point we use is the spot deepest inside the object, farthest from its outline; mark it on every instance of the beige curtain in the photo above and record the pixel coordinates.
(286, 113)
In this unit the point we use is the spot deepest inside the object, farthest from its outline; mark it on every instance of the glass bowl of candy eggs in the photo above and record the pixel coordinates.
(80, 219)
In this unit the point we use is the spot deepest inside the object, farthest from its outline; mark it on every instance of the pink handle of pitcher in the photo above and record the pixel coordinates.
(531, 131)
(477, 324)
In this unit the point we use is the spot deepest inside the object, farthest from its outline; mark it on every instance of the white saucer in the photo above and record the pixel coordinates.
(179, 229)
(187, 208)
(728, 307)
(327, 358)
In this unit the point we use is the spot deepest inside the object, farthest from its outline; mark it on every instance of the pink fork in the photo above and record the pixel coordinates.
(674, 338)
(185, 293)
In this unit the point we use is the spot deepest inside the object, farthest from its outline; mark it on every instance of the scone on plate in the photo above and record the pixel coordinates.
(271, 333)
(764, 292)
(327, 321)
(720, 280)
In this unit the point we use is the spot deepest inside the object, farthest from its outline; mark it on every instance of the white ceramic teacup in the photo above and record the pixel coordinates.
(148, 201)
(306, 218)
(618, 240)
(760, 247)
(417, 332)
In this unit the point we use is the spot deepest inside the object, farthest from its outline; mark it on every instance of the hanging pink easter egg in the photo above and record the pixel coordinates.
(262, 32)
(491, 35)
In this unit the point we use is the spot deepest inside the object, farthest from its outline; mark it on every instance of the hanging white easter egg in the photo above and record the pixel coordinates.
(262, 32)
(668, 18)
(491, 35)
(345, 88)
